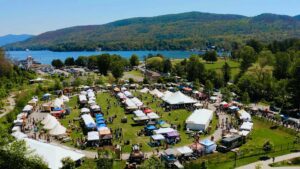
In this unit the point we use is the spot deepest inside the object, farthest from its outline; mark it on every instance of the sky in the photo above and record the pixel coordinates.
(38, 16)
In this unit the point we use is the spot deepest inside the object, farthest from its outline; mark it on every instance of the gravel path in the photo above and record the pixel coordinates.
(11, 105)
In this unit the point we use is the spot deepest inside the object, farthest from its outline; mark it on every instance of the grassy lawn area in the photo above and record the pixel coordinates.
(135, 73)
(250, 151)
(290, 162)
(234, 65)
(91, 164)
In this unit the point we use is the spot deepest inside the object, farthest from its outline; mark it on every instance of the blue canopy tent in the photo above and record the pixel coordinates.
(101, 125)
(100, 121)
(98, 115)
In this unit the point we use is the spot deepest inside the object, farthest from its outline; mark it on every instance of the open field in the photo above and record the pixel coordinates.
(251, 151)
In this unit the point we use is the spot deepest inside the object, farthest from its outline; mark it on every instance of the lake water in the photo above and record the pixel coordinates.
(45, 57)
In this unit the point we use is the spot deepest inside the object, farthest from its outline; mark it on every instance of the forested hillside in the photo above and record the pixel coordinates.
(168, 32)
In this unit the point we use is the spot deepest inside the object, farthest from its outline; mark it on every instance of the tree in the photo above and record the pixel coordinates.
(195, 69)
(145, 81)
(70, 61)
(196, 84)
(248, 56)
(167, 66)
(210, 56)
(282, 65)
(155, 63)
(81, 61)
(117, 69)
(152, 163)
(226, 94)
(256, 45)
(245, 98)
(105, 160)
(134, 60)
(57, 85)
(267, 147)
(208, 88)
(104, 63)
(226, 72)
(294, 82)
(68, 163)
(5, 65)
(92, 62)
(57, 63)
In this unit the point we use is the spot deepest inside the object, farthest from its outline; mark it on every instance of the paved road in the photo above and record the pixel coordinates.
(11, 105)
(265, 164)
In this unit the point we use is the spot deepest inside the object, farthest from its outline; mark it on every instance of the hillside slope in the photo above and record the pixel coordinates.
(169, 32)
(7, 39)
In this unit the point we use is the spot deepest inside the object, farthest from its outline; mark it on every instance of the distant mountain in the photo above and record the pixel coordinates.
(167, 32)
(7, 39)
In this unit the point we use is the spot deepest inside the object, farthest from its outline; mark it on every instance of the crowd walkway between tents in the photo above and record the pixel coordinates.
(265, 164)
(11, 105)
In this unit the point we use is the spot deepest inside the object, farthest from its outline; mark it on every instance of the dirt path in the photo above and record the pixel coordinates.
(11, 105)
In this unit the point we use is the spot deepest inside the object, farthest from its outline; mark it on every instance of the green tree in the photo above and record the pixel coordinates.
(282, 65)
(294, 87)
(245, 98)
(68, 163)
(226, 94)
(210, 56)
(81, 61)
(57, 85)
(92, 62)
(208, 88)
(226, 72)
(195, 69)
(70, 61)
(57, 63)
(167, 66)
(104, 63)
(105, 160)
(152, 163)
(134, 60)
(117, 69)
(256, 45)
(145, 81)
(248, 56)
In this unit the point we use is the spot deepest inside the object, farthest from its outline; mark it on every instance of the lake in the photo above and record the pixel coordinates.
(45, 57)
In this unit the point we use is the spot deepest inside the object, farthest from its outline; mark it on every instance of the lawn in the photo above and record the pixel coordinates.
(91, 164)
(135, 73)
(234, 65)
(251, 151)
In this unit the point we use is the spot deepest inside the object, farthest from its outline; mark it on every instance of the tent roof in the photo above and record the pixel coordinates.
(158, 137)
(200, 116)
(157, 93)
(52, 154)
(246, 126)
(137, 101)
(164, 130)
(207, 142)
(93, 135)
(153, 115)
(19, 135)
(51, 123)
(28, 108)
(144, 90)
(184, 150)
(58, 130)
(88, 120)
(139, 113)
(179, 98)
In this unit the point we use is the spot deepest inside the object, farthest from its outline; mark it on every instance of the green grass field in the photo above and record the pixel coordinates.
(177, 117)
(259, 135)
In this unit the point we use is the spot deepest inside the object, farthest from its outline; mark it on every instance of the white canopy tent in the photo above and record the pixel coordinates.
(167, 94)
(153, 115)
(158, 137)
(93, 136)
(19, 135)
(52, 154)
(157, 93)
(64, 98)
(58, 102)
(128, 94)
(179, 98)
(139, 113)
(51, 124)
(164, 130)
(88, 120)
(58, 130)
(130, 104)
(185, 150)
(246, 126)
(199, 119)
(137, 102)
(82, 98)
(121, 95)
(245, 116)
(85, 110)
(144, 90)
(27, 108)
